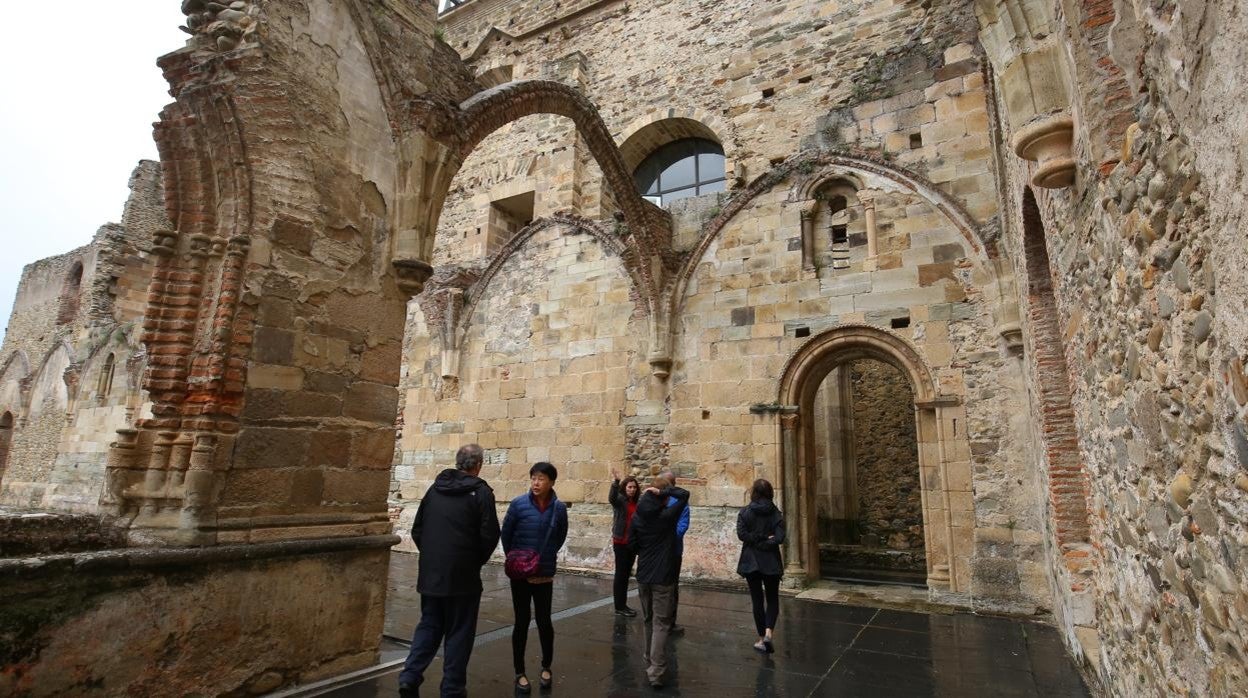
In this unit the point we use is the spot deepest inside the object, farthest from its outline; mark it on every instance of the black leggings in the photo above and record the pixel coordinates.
(757, 581)
(624, 559)
(540, 594)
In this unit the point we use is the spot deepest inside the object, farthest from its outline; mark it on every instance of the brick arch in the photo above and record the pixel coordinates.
(658, 128)
(482, 114)
(1067, 477)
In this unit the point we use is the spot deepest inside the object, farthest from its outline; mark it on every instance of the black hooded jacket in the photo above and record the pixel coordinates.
(456, 530)
(654, 536)
(760, 526)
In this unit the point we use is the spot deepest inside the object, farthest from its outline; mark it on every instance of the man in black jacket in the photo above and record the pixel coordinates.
(456, 531)
(658, 568)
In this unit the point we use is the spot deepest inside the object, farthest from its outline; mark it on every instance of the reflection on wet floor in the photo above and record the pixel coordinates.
(821, 649)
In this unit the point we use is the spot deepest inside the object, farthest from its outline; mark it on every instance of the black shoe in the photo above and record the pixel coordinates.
(544, 681)
(770, 647)
(626, 612)
(525, 688)
(407, 690)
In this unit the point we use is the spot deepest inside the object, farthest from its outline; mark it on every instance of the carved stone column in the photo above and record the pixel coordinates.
(808, 235)
(867, 198)
(789, 425)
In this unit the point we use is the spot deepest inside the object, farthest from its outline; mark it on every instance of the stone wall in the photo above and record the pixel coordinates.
(748, 293)
(1146, 255)
(886, 457)
(66, 411)
(552, 370)
(228, 621)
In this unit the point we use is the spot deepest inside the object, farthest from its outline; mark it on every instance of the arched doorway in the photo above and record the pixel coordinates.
(868, 499)
(882, 359)
(6, 441)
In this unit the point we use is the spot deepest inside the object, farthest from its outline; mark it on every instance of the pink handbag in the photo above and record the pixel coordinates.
(523, 564)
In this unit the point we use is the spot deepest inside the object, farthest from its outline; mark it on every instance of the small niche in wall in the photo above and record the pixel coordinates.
(916, 141)
(898, 323)
(801, 332)
(706, 414)
(769, 93)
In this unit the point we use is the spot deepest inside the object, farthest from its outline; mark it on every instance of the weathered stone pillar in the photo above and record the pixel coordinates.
(794, 569)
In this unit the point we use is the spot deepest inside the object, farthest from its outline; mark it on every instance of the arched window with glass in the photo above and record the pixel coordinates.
(680, 169)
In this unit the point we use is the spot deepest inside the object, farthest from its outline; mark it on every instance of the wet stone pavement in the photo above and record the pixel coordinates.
(822, 649)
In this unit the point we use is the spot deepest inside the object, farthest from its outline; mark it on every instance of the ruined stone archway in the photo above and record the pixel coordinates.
(936, 433)
(648, 226)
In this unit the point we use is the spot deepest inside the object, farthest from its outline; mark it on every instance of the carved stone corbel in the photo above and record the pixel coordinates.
(411, 275)
(1049, 144)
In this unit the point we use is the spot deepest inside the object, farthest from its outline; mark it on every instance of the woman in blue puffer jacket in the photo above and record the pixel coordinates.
(536, 520)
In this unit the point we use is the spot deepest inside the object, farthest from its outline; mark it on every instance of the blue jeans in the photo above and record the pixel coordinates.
(455, 619)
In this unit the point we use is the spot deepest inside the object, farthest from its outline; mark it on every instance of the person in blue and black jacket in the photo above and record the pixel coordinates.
(536, 520)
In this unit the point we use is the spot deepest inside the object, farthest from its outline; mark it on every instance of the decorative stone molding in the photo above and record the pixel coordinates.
(225, 25)
(1048, 143)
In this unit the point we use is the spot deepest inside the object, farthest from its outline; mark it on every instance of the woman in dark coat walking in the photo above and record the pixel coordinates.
(760, 526)
(623, 498)
(536, 520)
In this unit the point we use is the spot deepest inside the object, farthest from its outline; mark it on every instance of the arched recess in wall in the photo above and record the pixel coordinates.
(799, 384)
(496, 107)
(822, 168)
(573, 225)
(6, 441)
(16, 367)
(1067, 478)
(48, 389)
(655, 130)
(71, 290)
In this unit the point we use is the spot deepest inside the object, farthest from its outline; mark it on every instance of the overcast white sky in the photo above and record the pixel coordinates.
(80, 91)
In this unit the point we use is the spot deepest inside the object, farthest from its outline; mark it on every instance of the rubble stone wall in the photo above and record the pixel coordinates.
(1146, 253)
(886, 456)
(62, 421)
